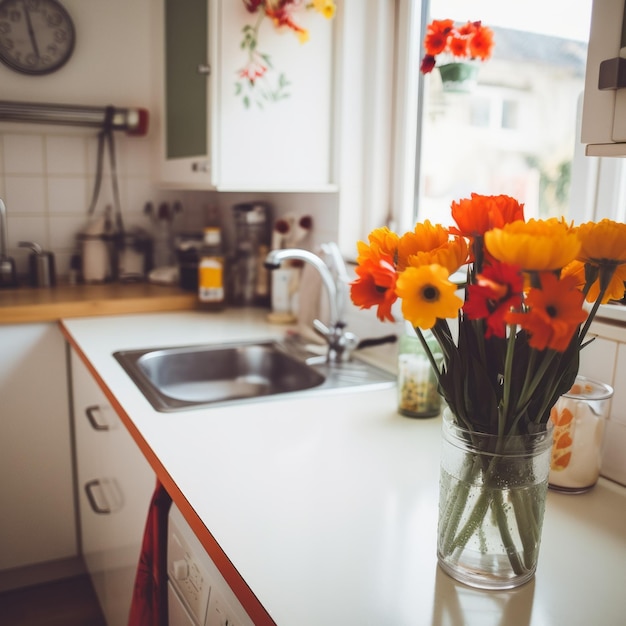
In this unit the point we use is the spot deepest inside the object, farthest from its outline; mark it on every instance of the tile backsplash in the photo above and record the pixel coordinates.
(47, 180)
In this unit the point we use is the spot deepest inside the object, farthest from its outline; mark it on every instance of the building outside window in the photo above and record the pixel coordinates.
(516, 131)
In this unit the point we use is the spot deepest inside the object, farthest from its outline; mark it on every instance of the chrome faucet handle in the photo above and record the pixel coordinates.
(340, 342)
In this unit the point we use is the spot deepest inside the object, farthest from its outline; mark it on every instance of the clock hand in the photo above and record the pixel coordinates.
(31, 32)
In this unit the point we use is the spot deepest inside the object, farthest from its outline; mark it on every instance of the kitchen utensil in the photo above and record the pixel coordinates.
(95, 244)
(8, 274)
(251, 281)
(41, 269)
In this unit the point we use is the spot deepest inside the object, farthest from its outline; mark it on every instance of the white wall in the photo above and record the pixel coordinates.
(47, 173)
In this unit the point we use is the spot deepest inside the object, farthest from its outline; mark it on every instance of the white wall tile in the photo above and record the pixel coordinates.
(63, 231)
(25, 194)
(597, 360)
(23, 154)
(68, 195)
(618, 406)
(66, 155)
(613, 456)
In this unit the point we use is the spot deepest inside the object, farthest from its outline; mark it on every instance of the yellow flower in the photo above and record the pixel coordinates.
(325, 7)
(602, 242)
(427, 294)
(303, 35)
(536, 245)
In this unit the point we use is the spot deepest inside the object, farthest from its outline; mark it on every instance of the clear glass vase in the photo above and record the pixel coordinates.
(491, 503)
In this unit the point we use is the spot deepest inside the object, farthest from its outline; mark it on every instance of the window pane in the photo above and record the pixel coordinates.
(514, 132)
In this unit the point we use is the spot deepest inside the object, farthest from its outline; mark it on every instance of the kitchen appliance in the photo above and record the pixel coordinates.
(8, 274)
(197, 594)
(41, 269)
(252, 235)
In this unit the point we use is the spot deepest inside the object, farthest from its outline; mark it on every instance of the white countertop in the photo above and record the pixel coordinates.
(326, 505)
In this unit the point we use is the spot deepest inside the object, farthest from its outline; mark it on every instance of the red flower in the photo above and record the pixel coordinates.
(555, 312)
(496, 291)
(427, 65)
(375, 286)
(476, 215)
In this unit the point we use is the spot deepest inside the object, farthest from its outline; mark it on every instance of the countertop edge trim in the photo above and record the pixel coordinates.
(240, 588)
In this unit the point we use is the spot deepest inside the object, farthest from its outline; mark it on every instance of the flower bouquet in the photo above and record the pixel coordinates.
(471, 40)
(457, 47)
(283, 14)
(521, 325)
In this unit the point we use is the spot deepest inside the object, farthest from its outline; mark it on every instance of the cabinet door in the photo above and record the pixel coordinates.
(184, 93)
(604, 110)
(115, 487)
(276, 145)
(36, 484)
(209, 138)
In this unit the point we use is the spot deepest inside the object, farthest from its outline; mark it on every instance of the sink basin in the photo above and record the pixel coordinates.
(178, 378)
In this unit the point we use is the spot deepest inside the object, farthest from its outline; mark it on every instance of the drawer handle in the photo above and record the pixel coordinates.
(90, 412)
(93, 502)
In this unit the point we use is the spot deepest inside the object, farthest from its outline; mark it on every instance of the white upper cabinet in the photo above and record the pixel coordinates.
(604, 104)
(209, 138)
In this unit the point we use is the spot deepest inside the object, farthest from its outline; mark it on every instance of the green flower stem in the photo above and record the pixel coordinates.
(527, 517)
(525, 511)
(455, 505)
(507, 540)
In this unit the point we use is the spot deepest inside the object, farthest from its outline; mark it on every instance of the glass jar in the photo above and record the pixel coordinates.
(417, 381)
(579, 418)
(492, 495)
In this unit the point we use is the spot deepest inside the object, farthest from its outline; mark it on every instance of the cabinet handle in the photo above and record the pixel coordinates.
(204, 68)
(96, 508)
(90, 413)
(200, 166)
(612, 74)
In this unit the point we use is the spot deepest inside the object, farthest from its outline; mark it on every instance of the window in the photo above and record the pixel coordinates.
(515, 131)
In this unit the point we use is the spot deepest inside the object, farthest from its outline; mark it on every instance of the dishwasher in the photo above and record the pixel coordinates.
(197, 593)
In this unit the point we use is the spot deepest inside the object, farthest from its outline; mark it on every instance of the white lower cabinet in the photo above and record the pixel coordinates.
(115, 485)
(37, 516)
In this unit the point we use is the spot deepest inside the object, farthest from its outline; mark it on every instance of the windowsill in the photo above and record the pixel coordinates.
(614, 312)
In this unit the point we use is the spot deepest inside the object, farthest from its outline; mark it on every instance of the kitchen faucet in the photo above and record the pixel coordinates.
(335, 278)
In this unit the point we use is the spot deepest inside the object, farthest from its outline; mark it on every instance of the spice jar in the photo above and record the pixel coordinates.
(417, 380)
(579, 418)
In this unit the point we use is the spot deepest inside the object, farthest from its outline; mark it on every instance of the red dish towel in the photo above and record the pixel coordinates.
(149, 604)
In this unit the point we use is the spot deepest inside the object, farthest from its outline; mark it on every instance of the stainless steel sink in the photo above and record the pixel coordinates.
(178, 378)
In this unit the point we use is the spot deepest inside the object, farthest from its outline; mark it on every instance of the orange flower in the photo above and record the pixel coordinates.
(382, 242)
(602, 242)
(430, 243)
(481, 44)
(603, 245)
(375, 286)
(555, 312)
(436, 38)
(476, 215)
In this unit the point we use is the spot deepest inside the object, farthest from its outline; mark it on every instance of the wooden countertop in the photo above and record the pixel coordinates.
(28, 304)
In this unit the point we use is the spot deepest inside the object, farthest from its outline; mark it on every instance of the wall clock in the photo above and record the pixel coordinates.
(36, 36)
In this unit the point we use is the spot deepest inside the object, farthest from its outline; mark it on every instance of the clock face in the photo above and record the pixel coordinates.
(36, 36)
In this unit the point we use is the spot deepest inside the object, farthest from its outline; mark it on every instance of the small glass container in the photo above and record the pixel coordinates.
(579, 418)
(417, 381)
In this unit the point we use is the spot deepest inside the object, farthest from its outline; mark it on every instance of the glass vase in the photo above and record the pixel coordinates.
(491, 503)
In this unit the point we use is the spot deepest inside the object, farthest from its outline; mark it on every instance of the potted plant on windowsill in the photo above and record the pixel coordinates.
(459, 49)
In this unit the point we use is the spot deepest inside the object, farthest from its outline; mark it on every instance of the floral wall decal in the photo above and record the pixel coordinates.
(259, 82)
